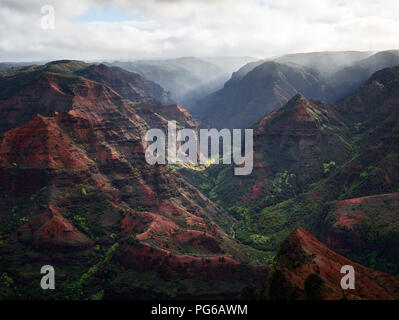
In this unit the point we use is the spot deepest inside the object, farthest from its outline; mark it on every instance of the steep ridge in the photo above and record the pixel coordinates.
(373, 115)
(295, 140)
(79, 142)
(129, 85)
(262, 90)
(306, 269)
(311, 130)
(309, 156)
(51, 92)
(365, 188)
(75, 183)
(371, 120)
(229, 64)
(345, 82)
(17, 79)
(326, 62)
(263, 86)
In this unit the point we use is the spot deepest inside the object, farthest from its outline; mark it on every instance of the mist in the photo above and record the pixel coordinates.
(187, 78)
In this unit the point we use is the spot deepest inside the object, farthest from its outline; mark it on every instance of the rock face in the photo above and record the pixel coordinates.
(306, 269)
(74, 182)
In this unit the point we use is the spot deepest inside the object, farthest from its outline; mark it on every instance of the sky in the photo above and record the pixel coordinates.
(37, 30)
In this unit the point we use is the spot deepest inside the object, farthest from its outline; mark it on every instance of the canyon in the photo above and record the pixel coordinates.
(77, 193)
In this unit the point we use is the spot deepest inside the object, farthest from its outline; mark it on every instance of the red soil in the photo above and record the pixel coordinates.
(51, 229)
(257, 190)
(344, 203)
(159, 224)
(41, 143)
(369, 284)
(348, 221)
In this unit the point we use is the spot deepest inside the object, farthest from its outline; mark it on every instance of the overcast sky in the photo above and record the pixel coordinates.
(128, 29)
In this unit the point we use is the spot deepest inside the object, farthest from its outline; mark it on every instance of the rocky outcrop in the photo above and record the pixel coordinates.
(306, 269)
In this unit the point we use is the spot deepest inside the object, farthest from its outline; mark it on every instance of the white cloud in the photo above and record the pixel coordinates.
(170, 28)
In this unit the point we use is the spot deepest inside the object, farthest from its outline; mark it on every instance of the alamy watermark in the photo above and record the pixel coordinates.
(183, 147)
(348, 281)
(47, 21)
(48, 280)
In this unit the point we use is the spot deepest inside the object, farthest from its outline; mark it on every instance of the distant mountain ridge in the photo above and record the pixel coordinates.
(137, 88)
(257, 90)
(325, 62)
(242, 101)
(187, 78)
(345, 81)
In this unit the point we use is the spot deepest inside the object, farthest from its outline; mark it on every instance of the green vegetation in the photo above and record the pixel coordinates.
(329, 167)
(308, 157)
